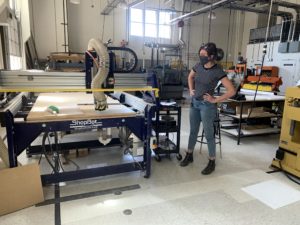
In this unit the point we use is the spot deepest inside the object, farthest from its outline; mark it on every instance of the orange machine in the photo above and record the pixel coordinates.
(269, 80)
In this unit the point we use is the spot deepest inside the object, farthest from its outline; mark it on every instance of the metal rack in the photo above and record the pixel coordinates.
(167, 121)
(236, 129)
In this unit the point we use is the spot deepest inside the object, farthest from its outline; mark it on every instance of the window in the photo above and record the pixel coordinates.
(164, 28)
(136, 26)
(150, 23)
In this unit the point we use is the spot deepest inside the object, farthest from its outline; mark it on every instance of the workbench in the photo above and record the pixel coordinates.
(241, 115)
(76, 111)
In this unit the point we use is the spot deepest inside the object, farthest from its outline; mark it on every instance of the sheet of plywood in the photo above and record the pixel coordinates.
(74, 106)
(61, 99)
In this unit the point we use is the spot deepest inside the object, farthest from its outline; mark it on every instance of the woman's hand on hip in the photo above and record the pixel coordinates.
(192, 92)
(207, 97)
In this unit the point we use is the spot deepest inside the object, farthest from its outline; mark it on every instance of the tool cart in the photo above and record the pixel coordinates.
(166, 127)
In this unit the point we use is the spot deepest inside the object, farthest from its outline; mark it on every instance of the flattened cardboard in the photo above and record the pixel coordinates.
(20, 187)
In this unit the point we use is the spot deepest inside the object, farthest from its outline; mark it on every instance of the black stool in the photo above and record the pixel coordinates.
(217, 131)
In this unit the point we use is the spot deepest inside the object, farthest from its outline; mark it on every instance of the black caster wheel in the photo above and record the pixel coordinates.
(179, 157)
(157, 158)
(146, 176)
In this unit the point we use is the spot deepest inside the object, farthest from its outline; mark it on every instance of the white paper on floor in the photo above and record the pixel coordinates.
(273, 193)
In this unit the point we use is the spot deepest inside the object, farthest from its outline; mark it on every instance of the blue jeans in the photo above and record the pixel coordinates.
(206, 112)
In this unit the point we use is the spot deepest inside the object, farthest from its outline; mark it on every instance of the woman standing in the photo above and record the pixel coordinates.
(202, 81)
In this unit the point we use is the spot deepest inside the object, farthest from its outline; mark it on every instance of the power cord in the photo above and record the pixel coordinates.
(259, 77)
(135, 162)
(44, 151)
(263, 59)
(292, 178)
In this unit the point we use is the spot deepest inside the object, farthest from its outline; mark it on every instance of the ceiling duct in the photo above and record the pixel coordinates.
(202, 10)
(295, 34)
(110, 6)
(289, 31)
(180, 26)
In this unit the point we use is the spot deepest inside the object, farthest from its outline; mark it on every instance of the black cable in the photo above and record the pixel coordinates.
(56, 167)
(262, 63)
(45, 151)
(55, 156)
(61, 165)
(256, 89)
(40, 159)
(288, 175)
(77, 166)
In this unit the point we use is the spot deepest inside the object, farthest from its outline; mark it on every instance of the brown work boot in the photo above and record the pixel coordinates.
(209, 168)
(187, 159)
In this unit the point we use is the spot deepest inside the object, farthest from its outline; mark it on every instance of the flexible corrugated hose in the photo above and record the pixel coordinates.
(100, 77)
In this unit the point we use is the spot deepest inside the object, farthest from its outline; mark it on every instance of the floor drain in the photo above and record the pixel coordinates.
(127, 212)
(118, 193)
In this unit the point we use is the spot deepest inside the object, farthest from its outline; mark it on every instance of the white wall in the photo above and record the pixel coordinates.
(47, 16)
(2, 4)
(22, 7)
(250, 23)
(86, 22)
(219, 32)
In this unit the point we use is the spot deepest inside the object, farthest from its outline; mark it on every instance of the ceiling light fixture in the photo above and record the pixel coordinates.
(77, 2)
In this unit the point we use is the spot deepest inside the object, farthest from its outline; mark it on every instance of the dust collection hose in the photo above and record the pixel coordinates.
(100, 77)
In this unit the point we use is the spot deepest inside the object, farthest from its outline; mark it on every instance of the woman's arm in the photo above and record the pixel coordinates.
(191, 82)
(230, 91)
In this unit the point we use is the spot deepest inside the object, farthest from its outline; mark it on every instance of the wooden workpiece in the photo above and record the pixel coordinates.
(66, 56)
(74, 106)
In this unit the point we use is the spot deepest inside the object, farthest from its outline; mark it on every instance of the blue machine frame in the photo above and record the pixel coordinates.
(21, 134)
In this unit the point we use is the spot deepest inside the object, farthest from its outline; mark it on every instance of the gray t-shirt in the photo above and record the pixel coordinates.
(206, 79)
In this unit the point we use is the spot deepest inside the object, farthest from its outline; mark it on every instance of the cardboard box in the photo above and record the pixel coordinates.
(75, 153)
(254, 127)
(245, 109)
(257, 110)
(20, 187)
(254, 110)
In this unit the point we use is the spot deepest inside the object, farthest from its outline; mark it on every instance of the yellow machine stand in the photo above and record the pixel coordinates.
(288, 154)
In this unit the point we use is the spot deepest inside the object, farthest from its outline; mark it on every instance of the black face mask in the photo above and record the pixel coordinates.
(204, 60)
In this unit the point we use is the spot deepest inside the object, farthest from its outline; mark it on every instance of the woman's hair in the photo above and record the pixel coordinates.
(211, 49)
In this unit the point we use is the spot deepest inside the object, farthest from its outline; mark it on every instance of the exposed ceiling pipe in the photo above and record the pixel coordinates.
(249, 2)
(257, 10)
(287, 4)
(180, 26)
(296, 31)
(110, 6)
(285, 15)
(202, 10)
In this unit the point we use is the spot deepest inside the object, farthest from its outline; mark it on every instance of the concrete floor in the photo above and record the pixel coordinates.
(173, 195)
